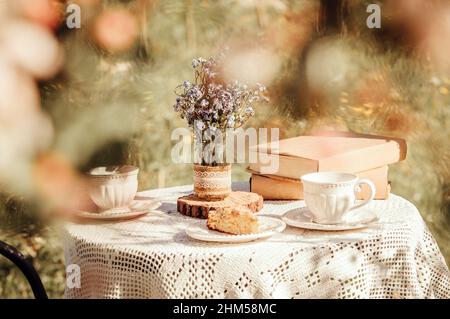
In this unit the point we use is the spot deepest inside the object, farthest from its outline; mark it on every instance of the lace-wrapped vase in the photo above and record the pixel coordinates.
(212, 182)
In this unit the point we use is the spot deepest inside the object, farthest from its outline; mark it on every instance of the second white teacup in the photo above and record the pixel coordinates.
(330, 196)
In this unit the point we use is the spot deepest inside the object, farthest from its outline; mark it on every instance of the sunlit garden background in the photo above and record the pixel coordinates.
(110, 98)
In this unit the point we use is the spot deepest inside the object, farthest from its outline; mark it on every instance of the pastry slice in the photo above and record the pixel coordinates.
(237, 221)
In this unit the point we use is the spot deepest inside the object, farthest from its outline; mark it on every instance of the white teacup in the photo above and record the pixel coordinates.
(330, 196)
(113, 187)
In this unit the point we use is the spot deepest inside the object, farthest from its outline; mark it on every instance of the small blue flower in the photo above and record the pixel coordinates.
(199, 125)
(217, 104)
(204, 103)
(231, 121)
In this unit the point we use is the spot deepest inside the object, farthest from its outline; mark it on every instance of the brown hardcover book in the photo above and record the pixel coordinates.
(331, 151)
(280, 188)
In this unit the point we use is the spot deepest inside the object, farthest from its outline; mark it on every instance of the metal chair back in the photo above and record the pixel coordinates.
(26, 267)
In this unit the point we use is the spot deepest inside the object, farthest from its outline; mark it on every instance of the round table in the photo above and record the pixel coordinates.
(152, 257)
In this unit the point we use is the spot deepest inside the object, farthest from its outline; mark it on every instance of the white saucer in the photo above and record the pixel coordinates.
(301, 218)
(268, 227)
(135, 209)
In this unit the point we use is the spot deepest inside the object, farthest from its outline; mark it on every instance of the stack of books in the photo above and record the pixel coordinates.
(367, 156)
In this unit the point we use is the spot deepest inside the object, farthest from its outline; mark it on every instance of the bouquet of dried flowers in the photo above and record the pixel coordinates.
(210, 103)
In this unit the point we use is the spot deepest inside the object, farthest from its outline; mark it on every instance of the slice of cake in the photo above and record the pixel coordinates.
(237, 221)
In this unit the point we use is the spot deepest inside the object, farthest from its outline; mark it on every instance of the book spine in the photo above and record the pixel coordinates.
(280, 165)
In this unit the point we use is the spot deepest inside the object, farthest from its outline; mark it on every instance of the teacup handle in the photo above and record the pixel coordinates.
(372, 193)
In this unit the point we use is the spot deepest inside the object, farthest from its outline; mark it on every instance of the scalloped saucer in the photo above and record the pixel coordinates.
(268, 227)
(301, 218)
(137, 208)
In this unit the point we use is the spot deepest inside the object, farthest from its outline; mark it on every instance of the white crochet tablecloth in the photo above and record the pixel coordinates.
(151, 257)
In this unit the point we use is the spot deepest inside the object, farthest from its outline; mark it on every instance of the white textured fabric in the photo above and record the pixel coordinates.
(151, 257)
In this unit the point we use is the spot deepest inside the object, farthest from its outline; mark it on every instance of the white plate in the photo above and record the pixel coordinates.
(136, 208)
(301, 218)
(268, 227)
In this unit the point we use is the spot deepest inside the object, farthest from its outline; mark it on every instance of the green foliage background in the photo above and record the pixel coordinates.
(118, 108)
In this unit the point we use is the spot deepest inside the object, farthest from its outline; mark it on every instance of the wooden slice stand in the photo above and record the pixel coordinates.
(192, 206)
